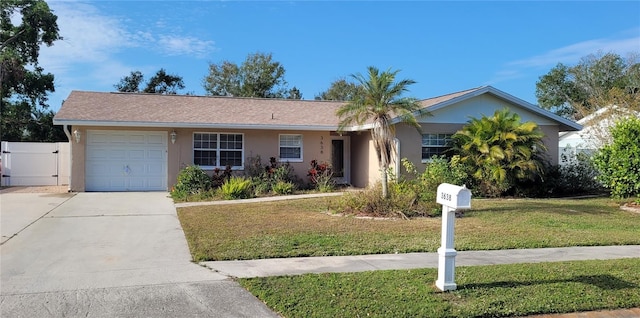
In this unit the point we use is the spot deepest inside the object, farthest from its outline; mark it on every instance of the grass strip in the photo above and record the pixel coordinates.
(304, 228)
(483, 291)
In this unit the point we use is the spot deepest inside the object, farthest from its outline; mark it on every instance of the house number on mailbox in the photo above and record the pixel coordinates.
(445, 196)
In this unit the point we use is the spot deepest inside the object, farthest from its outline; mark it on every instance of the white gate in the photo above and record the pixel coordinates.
(35, 163)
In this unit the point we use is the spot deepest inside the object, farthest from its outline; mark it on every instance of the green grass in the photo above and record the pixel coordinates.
(303, 228)
(483, 291)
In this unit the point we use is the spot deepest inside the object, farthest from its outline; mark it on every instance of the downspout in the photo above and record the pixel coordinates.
(398, 160)
(68, 133)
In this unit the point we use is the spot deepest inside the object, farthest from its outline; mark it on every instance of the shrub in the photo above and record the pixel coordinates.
(253, 167)
(191, 180)
(321, 176)
(619, 162)
(547, 183)
(578, 174)
(266, 177)
(219, 177)
(236, 188)
(500, 150)
(412, 196)
(440, 170)
(283, 187)
(260, 187)
(437, 171)
(575, 176)
(402, 202)
(368, 202)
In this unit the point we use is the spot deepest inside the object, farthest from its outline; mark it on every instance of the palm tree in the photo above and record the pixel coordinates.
(379, 102)
(500, 150)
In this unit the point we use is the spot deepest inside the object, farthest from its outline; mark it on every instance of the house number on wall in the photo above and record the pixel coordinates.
(321, 144)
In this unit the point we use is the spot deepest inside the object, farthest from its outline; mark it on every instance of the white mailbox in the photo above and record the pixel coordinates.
(453, 196)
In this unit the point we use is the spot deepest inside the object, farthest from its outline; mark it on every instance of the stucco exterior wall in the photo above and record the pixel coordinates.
(411, 139)
(265, 143)
(485, 104)
(364, 164)
(551, 140)
(77, 161)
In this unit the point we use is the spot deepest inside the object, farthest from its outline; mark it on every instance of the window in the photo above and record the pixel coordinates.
(291, 148)
(218, 150)
(434, 145)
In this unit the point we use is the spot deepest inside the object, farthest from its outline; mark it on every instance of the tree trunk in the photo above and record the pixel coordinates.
(385, 183)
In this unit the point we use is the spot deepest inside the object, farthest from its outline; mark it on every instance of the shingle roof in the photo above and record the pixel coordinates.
(184, 110)
(154, 110)
(441, 99)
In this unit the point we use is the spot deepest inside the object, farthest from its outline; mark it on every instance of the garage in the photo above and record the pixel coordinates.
(126, 160)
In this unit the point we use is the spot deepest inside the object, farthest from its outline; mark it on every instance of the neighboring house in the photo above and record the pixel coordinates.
(595, 133)
(139, 142)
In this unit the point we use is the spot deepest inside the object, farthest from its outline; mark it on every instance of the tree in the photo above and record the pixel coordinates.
(379, 103)
(258, 76)
(294, 93)
(223, 80)
(500, 150)
(23, 83)
(130, 83)
(619, 162)
(163, 83)
(597, 81)
(42, 128)
(340, 90)
(160, 83)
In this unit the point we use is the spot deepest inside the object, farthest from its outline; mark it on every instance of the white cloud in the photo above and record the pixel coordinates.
(627, 42)
(572, 54)
(90, 37)
(87, 35)
(93, 52)
(181, 45)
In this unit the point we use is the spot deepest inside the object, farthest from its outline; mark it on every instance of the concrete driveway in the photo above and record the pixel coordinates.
(107, 255)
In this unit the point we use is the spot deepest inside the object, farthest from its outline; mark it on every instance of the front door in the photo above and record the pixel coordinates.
(340, 159)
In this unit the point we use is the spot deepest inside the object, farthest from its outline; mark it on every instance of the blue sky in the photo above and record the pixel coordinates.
(444, 46)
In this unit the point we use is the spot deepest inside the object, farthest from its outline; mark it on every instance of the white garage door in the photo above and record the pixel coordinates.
(126, 161)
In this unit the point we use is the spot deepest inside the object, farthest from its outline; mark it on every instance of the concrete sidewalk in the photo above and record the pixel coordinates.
(360, 263)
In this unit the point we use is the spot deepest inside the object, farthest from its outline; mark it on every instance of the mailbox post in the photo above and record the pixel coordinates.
(452, 198)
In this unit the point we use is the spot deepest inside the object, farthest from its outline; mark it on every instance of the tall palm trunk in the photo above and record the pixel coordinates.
(385, 183)
(382, 136)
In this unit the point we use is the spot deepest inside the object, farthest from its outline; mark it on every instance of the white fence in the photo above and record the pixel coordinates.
(35, 163)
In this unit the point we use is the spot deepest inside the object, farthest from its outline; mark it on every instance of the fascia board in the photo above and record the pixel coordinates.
(533, 108)
(190, 125)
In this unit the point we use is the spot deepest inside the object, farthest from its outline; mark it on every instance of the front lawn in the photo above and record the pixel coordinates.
(304, 228)
(483, 291)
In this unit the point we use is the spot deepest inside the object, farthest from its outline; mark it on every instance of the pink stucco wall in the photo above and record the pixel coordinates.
(316, 145)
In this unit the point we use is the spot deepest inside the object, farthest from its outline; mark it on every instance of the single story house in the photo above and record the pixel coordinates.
(139, 142)
(595, 133)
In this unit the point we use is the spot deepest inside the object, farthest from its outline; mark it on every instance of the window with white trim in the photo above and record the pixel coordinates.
(211, 150)
(435, 145)
(291, 148)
